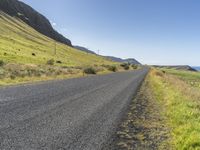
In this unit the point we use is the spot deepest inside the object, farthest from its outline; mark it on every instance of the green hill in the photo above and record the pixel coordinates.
(19, 43)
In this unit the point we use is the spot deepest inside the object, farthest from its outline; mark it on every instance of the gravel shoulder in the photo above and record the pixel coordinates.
(143, 127)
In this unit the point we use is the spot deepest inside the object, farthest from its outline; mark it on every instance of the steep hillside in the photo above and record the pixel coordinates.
(19, 43)
(33, 18)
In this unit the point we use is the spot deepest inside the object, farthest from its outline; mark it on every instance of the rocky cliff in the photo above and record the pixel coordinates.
(32, 18)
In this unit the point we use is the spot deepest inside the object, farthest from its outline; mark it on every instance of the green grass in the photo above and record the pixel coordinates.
(192, 78)
(182, 107)
(26, 55)
(18, 42)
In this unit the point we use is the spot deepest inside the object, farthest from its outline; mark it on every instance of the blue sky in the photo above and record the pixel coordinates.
(152, 31)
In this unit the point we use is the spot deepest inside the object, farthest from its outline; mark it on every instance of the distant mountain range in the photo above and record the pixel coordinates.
(129, 60)
(33, 18)
(116, 59)
(196, 67)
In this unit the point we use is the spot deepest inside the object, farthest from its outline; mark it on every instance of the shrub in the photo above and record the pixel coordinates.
(59, 62)
(112, 68)
(89, 70)
(50, 62)
(1, 63)
(125, 66)
(2, 73)
(33, 54)
(12, 76)
(134, 66)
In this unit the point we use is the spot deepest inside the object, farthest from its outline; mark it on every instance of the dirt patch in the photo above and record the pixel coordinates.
(144, 126)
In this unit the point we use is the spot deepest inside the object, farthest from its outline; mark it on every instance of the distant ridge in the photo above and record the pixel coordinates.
(115, 59)
(196, 67)
(129, 60)
(84, 49)
(32, 18)
(178, 67)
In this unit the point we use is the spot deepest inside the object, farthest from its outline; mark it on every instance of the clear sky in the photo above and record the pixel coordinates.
(152, 31)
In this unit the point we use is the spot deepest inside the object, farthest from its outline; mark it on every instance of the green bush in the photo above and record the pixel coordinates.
(50, 62)
(12, 76)
(1, 63)
(125, 66)
(89, 70)
(2, 73)
(112, 68)
(134, 66)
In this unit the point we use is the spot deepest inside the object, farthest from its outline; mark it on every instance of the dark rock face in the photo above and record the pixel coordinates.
(32, 18)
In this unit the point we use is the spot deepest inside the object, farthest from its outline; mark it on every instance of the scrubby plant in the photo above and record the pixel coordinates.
(112, 68)
(12, 76)
(134, 66)
(89, 70)
(1, 63)
(125, 66)
(2, 73)
(59, 62)
(50, 62)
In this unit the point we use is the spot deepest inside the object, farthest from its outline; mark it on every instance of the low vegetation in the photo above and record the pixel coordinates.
(90, 70)
(126, 66)
(182, 106)
(112, 68)
(144, 126)
(134, 66)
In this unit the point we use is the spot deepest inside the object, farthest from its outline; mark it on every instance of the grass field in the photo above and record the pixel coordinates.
(182, 105)
(26, 55)
(192, 78)
(19, 43)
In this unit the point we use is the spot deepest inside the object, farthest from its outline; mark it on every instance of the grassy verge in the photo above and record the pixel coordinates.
(182, 106)
(13, 73)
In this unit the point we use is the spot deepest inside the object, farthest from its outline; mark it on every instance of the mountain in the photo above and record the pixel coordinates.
(178, 67)
(132, 61)
(129, 60)
(33, 18)
(84, 49)
(196, 68)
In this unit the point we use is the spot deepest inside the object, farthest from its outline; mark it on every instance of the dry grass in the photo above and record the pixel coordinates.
(182, 108)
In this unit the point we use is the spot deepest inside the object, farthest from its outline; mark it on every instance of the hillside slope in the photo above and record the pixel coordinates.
(120, 60)
(19, 43)
(33, 18)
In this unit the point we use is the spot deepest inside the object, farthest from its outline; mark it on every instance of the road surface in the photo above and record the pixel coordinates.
(74, 114)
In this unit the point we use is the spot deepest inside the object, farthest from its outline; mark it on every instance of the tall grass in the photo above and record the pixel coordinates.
(182, 109)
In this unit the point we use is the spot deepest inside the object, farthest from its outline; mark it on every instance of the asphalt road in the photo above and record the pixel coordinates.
(74, 114)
